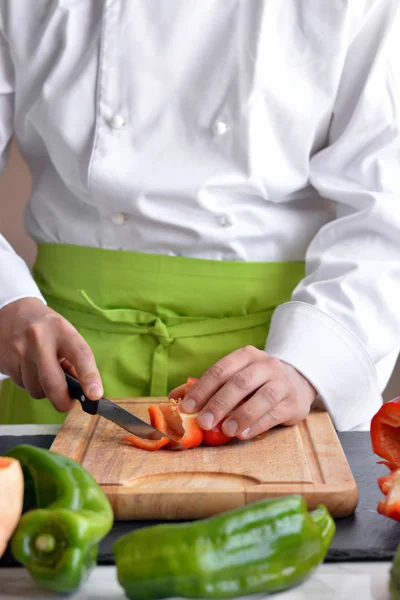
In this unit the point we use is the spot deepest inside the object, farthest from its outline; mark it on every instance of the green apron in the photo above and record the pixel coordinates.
(152, 320)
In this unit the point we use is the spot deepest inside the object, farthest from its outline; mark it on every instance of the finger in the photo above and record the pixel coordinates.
(217, 375)
(241, 385)
(42, 351)
(262, 402)
(30, 380)
(268, 421)
(177, 392)
(78, 352)
(14, 373)
(299, 413)
(10, 364)
(68, 367)
(54, 383)
(279, 414)
(52, 380)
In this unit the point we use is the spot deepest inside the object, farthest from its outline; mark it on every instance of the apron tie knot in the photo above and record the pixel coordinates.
(160, 331)
(143, 323)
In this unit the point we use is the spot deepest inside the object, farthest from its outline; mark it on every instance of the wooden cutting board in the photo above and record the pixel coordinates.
(303, 459)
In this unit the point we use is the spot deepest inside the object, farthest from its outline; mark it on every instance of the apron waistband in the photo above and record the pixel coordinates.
(164, 297)
(137, 322)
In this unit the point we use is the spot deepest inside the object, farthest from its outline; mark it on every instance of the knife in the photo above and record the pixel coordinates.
(112, 412)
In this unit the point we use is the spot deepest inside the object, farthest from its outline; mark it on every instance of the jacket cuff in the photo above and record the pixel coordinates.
(331, 358)
(16, 281)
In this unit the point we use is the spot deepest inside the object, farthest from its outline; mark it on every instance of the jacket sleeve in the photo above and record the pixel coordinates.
(16, 281)
(341, 328)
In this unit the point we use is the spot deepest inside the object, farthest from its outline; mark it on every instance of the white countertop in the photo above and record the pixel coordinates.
(356, 581)
(334, 581)
(29, 429)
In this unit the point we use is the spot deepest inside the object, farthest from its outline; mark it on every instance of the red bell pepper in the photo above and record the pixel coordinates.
(390, 485)
(386, 482)
(156, 420)
(385, 433)
(167, 417)
(215, 436)
(385, 439)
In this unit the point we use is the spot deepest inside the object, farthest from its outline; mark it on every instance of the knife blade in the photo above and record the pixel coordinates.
(115, 413)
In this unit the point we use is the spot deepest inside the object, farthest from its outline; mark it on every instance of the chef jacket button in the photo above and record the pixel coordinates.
(117, 121)
(118, 219)
(227, 220)
(220, 127)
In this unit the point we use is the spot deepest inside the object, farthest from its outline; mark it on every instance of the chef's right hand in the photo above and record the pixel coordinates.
(37, 345)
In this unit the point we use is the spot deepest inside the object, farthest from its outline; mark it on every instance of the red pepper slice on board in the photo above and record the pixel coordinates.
(385, 433)
(390, 506)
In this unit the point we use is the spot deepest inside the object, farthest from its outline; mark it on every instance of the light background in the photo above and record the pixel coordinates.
(15, 186)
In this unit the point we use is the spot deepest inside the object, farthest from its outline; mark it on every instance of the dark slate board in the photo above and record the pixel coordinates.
(364, 536)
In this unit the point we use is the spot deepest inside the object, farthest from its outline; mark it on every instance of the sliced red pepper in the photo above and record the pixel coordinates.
(156, 420)
(385, 433)
(390, 506)
(167, 417)
(181, 426)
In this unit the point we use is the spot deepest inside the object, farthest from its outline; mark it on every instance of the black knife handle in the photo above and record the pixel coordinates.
(75, 391)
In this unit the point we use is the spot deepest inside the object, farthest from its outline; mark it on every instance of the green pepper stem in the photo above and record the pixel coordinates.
(45, 542)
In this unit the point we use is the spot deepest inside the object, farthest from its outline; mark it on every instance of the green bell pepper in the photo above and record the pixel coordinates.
(67, 515)
(267, 546)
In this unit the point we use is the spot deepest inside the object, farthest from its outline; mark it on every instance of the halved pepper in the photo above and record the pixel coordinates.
(267, 546)
(385, 440)
(385, 433)
(168, 418)
(215, 436)
(67, 515)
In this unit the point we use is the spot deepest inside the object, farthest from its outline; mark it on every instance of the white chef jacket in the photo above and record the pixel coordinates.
(240, 130)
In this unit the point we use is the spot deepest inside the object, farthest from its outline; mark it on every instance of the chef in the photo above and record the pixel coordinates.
(216, 194)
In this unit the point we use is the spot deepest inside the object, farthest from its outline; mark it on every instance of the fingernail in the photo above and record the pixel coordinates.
(230, 427)
(189, 405)
(206, 420)
(95, 390)
(246, 432)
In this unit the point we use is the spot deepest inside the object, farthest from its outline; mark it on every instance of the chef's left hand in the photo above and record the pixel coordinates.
(258, 390)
